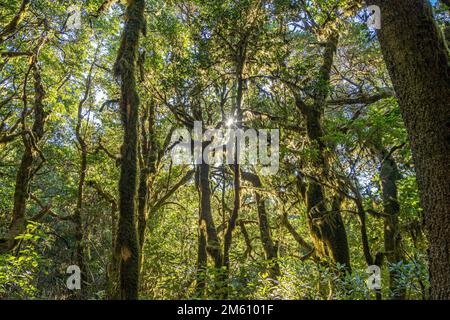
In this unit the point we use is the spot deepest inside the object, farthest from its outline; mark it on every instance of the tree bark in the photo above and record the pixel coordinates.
(264, 227)
(327, 228)
(208, 240)
(207, 226)
(149, 154)
(202, 259)
(389, 175)
(418, 62)
(127, 247)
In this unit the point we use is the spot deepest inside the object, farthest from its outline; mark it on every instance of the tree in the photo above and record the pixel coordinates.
(89, 177)
(327, 228)
(32, 152)
(127, 247)
(418, 62)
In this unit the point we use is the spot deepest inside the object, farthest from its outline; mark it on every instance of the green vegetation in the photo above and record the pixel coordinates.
(87, 176)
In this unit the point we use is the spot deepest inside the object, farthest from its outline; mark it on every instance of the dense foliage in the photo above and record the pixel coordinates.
(344, 197)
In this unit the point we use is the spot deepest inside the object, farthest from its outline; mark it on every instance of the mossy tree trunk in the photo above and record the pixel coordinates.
(417, 59)
(149, 156)
(389, 175)
(264, 227)
(327, 228)
(127, 247)
(208, 240)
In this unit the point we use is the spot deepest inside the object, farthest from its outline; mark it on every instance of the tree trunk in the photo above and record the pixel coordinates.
(208, 240)
(206, 218)
(264, 227)
(228, 238)
(127, 247)
(389, 175)
(418, 62)
(148, 170)
(327, 228)
(77, 216)
(26, 171)
(142, 210)
(202, 259)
